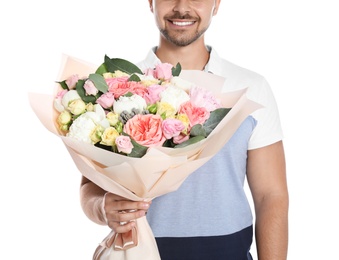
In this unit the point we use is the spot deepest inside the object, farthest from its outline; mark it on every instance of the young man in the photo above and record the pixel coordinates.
(209, 217)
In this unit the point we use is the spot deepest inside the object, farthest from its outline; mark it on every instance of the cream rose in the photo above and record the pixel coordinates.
(109, 135)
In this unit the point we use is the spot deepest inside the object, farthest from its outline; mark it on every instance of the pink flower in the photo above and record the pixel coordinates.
(106, 100)
(122, 88)
(196, 115)
(124, 144)
(172, 127)
(72, 81)
(57, 101)
(90, 88)
(60, 94)
(112, 81)
(180, 138)
(153, 94)
(203, 98)
(163, 71)
(149, 72)
(145, 130)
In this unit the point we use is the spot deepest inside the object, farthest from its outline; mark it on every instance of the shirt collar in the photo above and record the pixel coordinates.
(214, 64)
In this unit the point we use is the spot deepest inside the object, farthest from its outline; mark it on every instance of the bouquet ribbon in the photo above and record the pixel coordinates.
(161, 170)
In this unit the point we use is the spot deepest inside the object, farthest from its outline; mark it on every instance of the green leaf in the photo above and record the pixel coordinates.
(101, 69)
(63, 84)
(176, 70)
(120, 64)
(82, 92)
(197, 130)
(99, 82)
(105, 147)
(215, 117)
(134, 77)
(190, 141)
(138, 150)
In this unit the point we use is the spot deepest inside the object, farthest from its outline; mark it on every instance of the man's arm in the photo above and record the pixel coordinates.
(91, 198)
(266, 173)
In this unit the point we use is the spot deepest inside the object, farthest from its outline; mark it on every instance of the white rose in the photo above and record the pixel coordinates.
(128, 103)
(69, 97)
(181, 83)
(174, 96)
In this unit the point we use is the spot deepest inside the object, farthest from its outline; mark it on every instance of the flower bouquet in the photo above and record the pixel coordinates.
(139, 134)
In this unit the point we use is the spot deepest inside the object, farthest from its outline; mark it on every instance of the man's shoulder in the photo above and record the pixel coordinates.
(228, 69)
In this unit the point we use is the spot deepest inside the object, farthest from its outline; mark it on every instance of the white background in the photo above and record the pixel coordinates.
(293, 43)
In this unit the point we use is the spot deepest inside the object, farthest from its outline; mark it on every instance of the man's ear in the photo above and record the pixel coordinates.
(150, 5)
(216, 7)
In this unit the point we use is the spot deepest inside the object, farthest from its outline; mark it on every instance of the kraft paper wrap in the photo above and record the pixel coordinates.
(160, 171)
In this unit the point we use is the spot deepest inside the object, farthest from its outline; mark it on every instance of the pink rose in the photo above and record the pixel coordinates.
(204, 98)
(72, 81)
(145, 130)
(172, 127)
(153, 94)
(196, 115)
(106, 100)
(180, 138)
(163, 71)
(124, 144)
(149, 72)
(90, 88)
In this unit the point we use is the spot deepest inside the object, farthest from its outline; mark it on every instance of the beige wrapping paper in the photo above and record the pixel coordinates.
(161, 170)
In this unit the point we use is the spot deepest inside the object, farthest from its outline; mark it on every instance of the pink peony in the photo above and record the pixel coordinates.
(122, 88)
(145, 130)
(204, 98)
(111, 82)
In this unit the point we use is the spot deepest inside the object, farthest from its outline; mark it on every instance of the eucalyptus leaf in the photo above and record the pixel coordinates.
(176, 70)
(120, 64)
(138, 150)
(197, 130)
(215, 117)
(99, 82)
(82, 92)
(190, 141)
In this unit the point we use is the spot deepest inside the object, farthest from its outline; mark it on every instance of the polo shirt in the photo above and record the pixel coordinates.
(210, 211)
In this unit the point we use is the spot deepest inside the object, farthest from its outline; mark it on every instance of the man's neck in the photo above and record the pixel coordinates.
(192, 57)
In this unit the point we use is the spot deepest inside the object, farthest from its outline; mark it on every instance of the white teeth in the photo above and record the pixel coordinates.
(182, 23)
